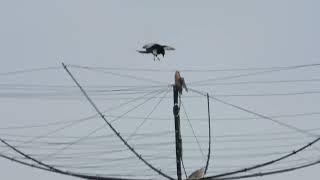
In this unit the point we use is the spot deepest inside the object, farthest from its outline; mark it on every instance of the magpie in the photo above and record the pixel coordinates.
(155, 49)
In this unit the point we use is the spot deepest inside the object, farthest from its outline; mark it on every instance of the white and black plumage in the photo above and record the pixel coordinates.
(156, 49)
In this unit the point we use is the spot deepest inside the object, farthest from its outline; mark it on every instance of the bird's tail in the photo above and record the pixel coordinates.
(183, 84)
(144, 52)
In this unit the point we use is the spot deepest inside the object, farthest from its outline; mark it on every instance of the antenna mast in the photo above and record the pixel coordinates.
(176, 112)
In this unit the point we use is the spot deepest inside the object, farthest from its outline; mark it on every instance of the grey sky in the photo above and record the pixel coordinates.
(206, 35)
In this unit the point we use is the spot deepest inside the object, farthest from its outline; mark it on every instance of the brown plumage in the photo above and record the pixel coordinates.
(180, 83)
(198, 174)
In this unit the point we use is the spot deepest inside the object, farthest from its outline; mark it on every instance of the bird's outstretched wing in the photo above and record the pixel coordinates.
(148, 45)
(168, 48)
(143, 52)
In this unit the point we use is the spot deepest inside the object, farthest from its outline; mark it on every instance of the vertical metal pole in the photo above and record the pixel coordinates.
(176, 113)
(209, 124)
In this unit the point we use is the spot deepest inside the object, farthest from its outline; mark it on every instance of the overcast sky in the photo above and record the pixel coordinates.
(206, 34)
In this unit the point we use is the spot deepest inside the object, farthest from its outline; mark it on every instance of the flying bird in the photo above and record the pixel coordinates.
(156, 49)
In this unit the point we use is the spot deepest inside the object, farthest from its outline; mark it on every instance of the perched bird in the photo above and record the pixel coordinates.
(198, 174)
(156, 49)
(179, 82)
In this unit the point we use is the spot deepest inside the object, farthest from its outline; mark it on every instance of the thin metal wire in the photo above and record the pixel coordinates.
(29, 70)
(123, 75)
(267, 173)
(47, 167)
(307, 133)
(184, 70)
(94, 131)
(255, 73)
(147, 117)
(113, 129)
(193, 132)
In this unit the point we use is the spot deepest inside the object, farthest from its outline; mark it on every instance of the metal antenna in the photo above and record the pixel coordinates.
(176, 112)
(112, 128)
